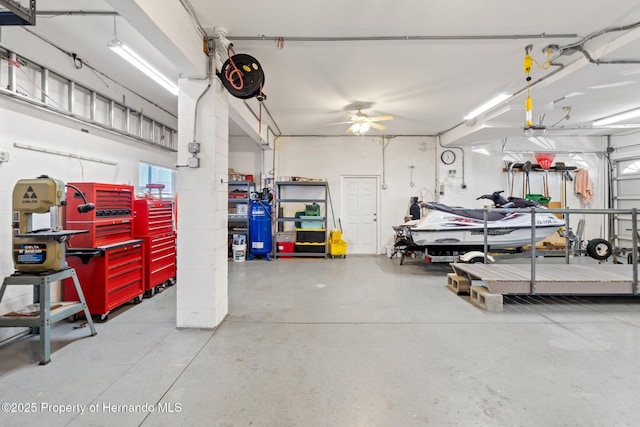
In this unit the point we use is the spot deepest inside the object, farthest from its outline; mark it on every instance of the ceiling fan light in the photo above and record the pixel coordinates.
(359, 128)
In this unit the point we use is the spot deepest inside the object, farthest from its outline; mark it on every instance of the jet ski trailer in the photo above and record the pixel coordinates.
(405, 247)
(446, 234)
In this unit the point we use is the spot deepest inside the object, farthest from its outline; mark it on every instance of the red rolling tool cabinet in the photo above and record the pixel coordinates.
(108, 259)
(153, 223)
(109, 275)
(159, 261)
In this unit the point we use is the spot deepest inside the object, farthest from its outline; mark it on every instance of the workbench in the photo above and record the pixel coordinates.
(41, 324)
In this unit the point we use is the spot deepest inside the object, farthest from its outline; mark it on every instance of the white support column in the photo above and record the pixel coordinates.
(202, 277)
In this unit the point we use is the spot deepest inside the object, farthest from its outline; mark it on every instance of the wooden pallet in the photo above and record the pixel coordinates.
(557, 279)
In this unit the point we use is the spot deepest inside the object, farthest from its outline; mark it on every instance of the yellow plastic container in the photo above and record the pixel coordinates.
(337, 246)
(337, 249)
(335, 235)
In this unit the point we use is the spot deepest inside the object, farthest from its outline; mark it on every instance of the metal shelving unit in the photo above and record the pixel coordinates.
(302, 192)
(239, 222)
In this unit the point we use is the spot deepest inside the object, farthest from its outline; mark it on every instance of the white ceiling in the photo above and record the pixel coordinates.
(426, 63)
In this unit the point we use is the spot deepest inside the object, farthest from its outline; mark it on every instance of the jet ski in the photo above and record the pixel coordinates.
(444, 228)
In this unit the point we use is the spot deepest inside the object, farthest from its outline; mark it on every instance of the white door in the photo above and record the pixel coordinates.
(360, 214)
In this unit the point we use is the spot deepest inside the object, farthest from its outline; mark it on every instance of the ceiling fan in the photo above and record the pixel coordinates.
(361, 122)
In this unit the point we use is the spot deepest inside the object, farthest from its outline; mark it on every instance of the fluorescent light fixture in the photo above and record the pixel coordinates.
(624, 126)
(618, 117)
(134, 59)
(612, 85)
(488, 105)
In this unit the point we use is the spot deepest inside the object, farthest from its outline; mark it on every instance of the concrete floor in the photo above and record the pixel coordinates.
(360, 341)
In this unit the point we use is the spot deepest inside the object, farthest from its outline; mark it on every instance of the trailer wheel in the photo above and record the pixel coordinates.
(599, 249)
(476, 260)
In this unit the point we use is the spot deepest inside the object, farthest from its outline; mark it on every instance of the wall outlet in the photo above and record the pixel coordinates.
(193, 162)
(4, 155)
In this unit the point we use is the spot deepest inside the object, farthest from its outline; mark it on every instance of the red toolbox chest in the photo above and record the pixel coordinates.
(152, 216)
(109, 223)
(112, 201)
(153, 222)
(109, 275)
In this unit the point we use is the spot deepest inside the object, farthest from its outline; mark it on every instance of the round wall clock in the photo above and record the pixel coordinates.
(448, 157)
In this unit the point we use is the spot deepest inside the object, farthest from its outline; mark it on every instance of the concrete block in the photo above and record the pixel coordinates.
(458, 284)
(481, 297)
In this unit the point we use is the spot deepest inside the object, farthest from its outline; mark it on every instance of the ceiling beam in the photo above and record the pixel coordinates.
(168, 29)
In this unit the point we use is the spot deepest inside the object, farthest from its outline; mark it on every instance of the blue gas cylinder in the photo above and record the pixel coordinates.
(259, 229)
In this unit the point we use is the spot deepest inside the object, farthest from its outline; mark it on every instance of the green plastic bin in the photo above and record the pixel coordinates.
(538, 198)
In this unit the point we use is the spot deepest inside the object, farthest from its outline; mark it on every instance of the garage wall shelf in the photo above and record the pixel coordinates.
(311, 231)
(238, 205)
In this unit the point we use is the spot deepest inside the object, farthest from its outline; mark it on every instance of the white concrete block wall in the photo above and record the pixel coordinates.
(202, 207)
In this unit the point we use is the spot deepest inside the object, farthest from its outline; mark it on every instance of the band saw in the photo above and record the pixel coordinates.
(41, 249)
